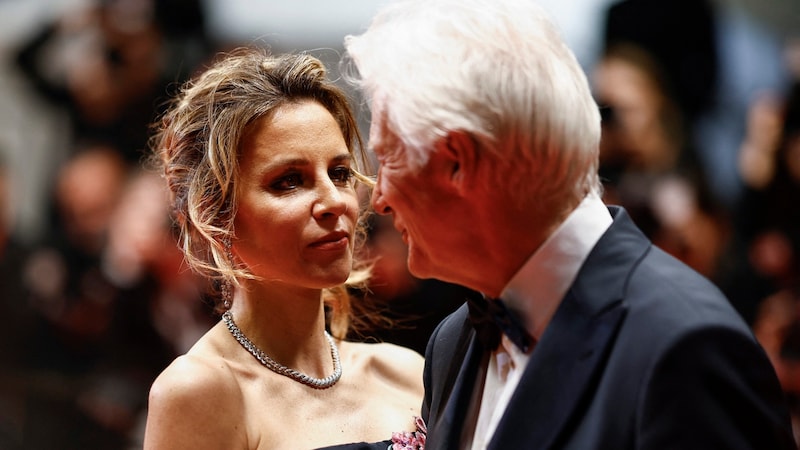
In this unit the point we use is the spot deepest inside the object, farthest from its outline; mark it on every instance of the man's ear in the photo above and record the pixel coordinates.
(461, 156)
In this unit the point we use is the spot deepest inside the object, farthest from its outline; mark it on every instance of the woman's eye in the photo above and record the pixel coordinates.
(341, 175)
(287, 182)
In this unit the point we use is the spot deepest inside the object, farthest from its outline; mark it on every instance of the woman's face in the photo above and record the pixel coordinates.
(297, 205)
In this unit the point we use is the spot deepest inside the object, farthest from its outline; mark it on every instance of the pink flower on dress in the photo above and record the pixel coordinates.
(407, 440)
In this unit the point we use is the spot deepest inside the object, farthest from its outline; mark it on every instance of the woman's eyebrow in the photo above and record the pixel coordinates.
(344, 157)
(301, 162)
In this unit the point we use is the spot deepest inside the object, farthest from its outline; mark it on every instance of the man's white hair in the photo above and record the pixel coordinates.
(495, 69)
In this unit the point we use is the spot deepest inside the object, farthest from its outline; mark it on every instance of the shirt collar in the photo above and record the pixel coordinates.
(536, 290)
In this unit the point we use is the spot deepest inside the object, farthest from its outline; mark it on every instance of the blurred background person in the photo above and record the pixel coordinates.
(79, 72)
(769, 230)
(647, 163)
(714, 55)
(108, 65)
(91, 346)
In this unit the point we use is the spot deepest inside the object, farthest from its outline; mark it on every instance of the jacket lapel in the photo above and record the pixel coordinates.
(560, 371)
(570, 354)
(445, 433)
(452, 361)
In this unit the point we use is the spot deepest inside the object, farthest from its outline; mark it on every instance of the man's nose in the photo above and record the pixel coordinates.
(378, 202)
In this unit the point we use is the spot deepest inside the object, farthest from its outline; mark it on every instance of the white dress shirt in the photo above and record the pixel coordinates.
(534, 293)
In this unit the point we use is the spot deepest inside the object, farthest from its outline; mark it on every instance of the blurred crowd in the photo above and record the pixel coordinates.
(98, 304)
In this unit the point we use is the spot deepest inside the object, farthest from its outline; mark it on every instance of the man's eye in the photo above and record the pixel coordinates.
(341, 175)
(287, 182)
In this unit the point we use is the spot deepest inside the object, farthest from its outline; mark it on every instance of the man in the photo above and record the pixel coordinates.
(487, 137)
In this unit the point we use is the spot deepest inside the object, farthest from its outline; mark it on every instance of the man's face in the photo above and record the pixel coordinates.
(420, 201)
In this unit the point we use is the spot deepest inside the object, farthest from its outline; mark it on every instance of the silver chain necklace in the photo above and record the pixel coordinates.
(271, 364)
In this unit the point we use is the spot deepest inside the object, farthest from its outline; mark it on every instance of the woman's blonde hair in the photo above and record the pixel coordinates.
(196, 143)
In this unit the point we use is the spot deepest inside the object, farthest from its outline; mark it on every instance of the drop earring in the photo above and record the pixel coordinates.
(227, 287)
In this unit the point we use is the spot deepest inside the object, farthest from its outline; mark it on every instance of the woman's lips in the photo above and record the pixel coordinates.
(332, 241)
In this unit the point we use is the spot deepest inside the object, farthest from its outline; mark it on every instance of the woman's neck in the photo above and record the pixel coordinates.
(286, 323)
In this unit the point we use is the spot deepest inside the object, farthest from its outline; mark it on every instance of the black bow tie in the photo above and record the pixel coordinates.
(491, 318)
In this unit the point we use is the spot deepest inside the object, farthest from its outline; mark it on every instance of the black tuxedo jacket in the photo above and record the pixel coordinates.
(642, 353)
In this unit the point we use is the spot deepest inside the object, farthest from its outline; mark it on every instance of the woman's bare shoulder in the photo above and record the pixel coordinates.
(192, 375)
(202, 370)
(185, 401)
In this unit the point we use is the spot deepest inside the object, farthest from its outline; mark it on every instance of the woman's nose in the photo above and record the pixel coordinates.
(331, 201)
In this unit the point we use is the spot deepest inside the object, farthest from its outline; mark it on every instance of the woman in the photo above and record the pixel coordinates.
(260, 155)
